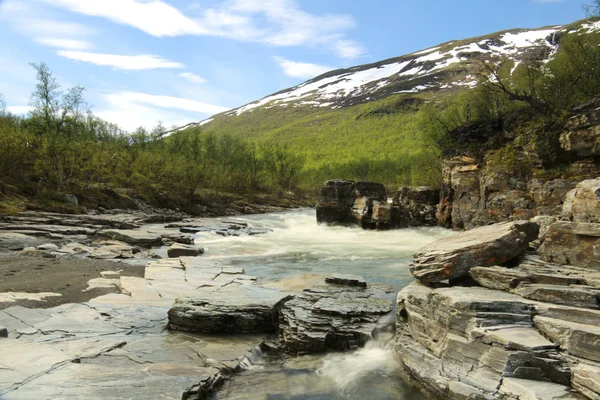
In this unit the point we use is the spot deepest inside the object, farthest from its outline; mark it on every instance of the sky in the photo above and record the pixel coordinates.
(181, 61)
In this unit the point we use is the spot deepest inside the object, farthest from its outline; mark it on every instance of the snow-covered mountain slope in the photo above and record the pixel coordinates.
(447, 66)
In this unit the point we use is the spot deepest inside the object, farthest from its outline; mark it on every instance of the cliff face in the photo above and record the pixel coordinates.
(478, 192)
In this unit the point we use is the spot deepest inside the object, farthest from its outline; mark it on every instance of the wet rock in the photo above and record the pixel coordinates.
(453, 256)
(184, 250)
(332, 317)
(335, 202)
(347, 280)
(582, 204)
(135, 237)
(415, 206)
(228, 309)
(349, 202)
(572, 243)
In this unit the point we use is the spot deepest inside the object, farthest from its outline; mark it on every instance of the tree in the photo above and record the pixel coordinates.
(2, 106)
(282, 164)
(592, 9)
(56, 115)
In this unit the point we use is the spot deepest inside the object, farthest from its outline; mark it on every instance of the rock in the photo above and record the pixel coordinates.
(572, 243)
(516, 389)
(48, 247)
(184, 250)
(3, 332)
(347, 202)
(586, 379)
(582, 134)
(335, 202)
(135, 237)
(333, 317)
(110, 274)
(582, 204)
(415, 206)
(468, 341)
(228, 309)
(544, 221)
(568, 295)
(549, 196)
(32, 252)
(71, 199)
(453, 256)
(499, 278)
(347, 280)
(580, 340)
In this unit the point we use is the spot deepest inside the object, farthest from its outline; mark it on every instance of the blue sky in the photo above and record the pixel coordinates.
(183, 60)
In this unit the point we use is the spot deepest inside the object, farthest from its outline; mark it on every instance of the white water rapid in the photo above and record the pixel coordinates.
(298, 253)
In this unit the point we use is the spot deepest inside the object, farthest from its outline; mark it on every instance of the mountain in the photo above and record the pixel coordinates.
(361, 121)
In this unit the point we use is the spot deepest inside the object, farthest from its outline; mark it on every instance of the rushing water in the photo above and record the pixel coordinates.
(299, 252)
(299, 249)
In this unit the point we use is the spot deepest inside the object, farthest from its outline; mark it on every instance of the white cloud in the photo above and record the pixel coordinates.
(189, 76)
(19, 110)
(275, 22)
(138, 62)
(70, 44)
(301, 69)
(132, 109)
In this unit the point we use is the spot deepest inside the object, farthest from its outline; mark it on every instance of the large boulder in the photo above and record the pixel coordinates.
(415, 206)
(453, 256)
(230, 309)
(582, 204)
(349, 202)
(335, 202)
(340, 316)
(572, 243)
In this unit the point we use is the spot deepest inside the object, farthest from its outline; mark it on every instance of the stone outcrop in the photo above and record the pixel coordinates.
(453, 256)
(334, 317)
(477, 343)
(476, 193)
(335, 202)
(354, 203)
(582, 133)
(572, 243)
(415, 207)
(582, 204)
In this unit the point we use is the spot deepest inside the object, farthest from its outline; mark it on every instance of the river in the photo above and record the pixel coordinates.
(299, 252)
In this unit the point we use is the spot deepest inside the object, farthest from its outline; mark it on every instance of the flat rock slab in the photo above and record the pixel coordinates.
(184, 250)
(513, 388)
(333, 317)
(453, 256)
(11, 297)
(135, 237)
(234, 308)
(347, 280)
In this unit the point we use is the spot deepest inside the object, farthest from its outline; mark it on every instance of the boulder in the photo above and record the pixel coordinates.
(415, 206)
(572, 243)
(453, 256)
(48, 247)
(3, 332)
(335, 202)
(333, 317)
(230, 309)
(131, 236)
(366, 195)
(184, 250)
(582, 204)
